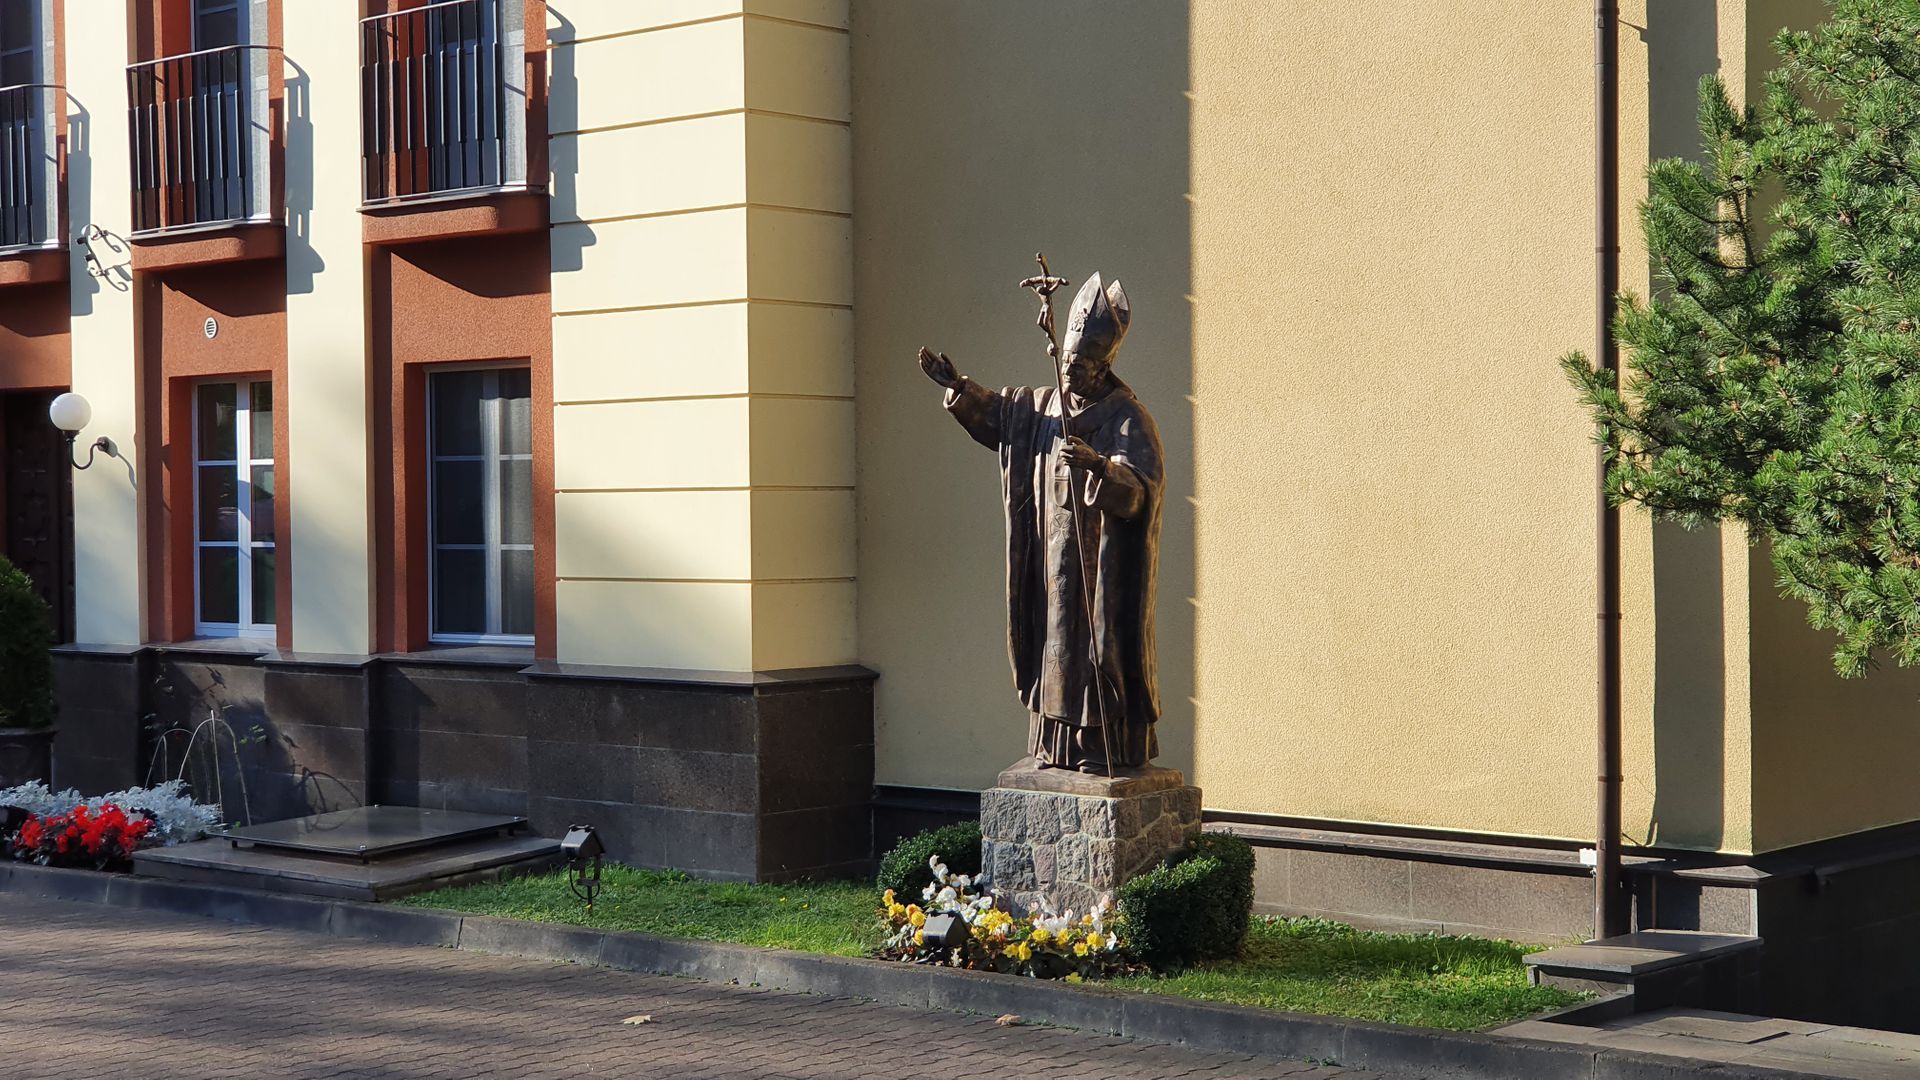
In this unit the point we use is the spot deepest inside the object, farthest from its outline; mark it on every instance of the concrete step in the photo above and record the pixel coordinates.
(220, 862)
(1735, 1039)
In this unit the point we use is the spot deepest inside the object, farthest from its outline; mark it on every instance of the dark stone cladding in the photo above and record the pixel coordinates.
(764, 776)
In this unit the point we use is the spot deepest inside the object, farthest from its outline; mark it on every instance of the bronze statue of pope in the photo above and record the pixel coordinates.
(1081, 484)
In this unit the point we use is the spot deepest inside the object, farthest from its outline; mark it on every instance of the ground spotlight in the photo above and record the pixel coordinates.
(582, 848)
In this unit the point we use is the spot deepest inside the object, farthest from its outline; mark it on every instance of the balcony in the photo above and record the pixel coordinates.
(444, 102)
(29, 167)
(201, 137)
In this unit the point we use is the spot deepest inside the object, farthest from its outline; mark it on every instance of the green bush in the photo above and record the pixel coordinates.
(1193, 907)
(905, 870)
(26, 633)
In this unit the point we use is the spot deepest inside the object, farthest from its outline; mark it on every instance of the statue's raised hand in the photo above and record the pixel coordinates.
(939, 368)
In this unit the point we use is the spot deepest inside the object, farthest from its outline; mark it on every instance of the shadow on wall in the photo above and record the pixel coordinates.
(1689, 624)
(303, 261)
(263, 768)
(570, 240)
(1082, 153)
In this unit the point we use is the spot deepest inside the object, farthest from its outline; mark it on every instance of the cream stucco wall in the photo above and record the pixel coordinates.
(108, 592)
(703, 422)
(1356, 236)
(326, 339)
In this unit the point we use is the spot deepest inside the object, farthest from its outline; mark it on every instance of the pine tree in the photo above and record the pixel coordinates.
(1778, 385)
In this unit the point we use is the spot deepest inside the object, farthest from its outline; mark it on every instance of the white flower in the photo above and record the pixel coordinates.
(927, 893)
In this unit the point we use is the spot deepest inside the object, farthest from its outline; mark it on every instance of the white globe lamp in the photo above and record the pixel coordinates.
(70, 412)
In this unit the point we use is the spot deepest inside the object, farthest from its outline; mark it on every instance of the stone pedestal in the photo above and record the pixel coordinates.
(1071, 838)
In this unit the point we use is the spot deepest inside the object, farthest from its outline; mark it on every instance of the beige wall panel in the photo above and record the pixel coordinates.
(818, 12)
(1831, 755)
(802, 442)
(799, 163)
(803, 534)
(636, 78)
(1376, 590)
(651, 444)
(696, 535)
(687, 625)
(802, 70)
(803, 624)
(107, 527)
(801, 350)
(651, 169)
(326, 411)
(661, 352)
(650, 262)
(571, 20)
(798, 256)
(1688, 722)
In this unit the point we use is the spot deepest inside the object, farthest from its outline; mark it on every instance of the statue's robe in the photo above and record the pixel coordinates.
(1050, 570)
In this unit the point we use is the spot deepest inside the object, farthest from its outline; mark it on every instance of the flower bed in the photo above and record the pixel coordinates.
(1458, 983)
(1042, 945)
(102, 833)
(103, 839)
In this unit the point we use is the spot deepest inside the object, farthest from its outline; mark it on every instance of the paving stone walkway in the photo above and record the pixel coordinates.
(93, 991)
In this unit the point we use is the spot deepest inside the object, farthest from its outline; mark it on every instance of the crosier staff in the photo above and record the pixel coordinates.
(1044, 286)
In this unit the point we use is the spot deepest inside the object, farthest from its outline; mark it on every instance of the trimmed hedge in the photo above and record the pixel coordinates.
(905, 870)
(1193, 907)
(26, 633)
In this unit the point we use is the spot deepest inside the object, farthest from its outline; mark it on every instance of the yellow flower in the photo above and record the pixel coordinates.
(896, 911)
(915, 916)
(1095, 941)
(919, 937)
(885, 897)
(1080, 949)
(1021, 952)
(1039, 935)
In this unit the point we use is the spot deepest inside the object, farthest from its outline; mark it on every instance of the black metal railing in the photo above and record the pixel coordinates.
(436, 109)
(198, 125)
(29, 162)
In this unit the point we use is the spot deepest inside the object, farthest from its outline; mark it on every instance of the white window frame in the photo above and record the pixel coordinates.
(491, 513)
(243, 465)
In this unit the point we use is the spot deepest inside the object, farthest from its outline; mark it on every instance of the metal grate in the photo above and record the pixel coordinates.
(27, 160)
(434, 100)
(199, 153)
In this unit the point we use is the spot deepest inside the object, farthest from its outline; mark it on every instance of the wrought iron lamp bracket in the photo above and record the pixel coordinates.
(99, 444)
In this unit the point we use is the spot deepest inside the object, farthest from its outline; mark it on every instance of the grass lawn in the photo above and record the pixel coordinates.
(1316, 966)
(1301, 965)
(838, 917)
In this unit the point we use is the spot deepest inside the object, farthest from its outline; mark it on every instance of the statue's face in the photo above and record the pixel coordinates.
(1083, 369)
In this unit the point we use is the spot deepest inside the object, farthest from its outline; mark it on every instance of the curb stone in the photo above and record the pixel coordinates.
(1202, 1025)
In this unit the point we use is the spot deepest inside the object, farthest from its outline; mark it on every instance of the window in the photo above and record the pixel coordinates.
(19, 44)
(216, 23)
(480, 500)
(233, 509)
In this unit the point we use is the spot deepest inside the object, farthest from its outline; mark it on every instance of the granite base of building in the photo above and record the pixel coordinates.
(1068, 839)
(762, 776)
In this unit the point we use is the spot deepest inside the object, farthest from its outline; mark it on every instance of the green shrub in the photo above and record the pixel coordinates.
(1193, 907)
(905, 870)
(26, 633)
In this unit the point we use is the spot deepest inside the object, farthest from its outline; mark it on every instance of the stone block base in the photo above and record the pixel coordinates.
(1069, 839)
